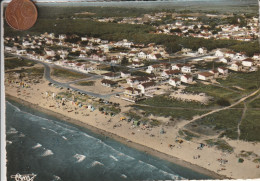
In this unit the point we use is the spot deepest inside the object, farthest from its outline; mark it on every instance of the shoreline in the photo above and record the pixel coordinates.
(122, 140)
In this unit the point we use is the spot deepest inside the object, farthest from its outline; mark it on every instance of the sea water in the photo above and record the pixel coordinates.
(55, 150)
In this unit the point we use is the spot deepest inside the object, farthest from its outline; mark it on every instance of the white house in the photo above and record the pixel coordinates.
(230, 54)
(248, 62)
(205, 76)
(153, 68)
(215, 73)
(256, 56)
(108, 83)
(177, 67)
(175, 82)
(219, 53)
(169, 73)
(225, 60)
(142, 55)
(111, 76)
(186, 69)
(125, 74)
(147, 88)
(50, 52)
(236, 66)
(187, 78)
(223, 70)
(202, 51)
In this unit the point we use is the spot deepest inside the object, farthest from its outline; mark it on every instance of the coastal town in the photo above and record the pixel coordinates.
(194, 104)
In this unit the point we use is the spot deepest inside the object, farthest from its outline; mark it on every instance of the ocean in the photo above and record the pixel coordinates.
(55, 150)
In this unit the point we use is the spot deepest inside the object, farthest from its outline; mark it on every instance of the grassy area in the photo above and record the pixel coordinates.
(155, 122)
(86, 83)
(225, 121)
(250, 126)
(31, 71)
(247, 81)
(67, 74)
(218, 93)
(255, 103)
(220, 145)
(168, 112)
(166, 101)
(187, 135)
(17, 62)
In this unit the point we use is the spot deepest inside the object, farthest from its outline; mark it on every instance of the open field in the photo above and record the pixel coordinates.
(223, 123)
(250, 126)
(221, 95)
(86, 83)
(168, 112)
(62, 73)
(248, 81)
(12, 63)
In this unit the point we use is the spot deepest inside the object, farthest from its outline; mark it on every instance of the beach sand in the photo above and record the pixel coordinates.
(185, 154)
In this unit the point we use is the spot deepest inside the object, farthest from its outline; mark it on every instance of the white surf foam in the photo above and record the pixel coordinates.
(16, 108)
(12, 131)
(64, 138)
(38, 145)
(21, 135)
(43, 128)
(114, 158)
(79, 157)
(123, 176)
(47, 153)
(9, 142)
(97, 163)
(56, 178)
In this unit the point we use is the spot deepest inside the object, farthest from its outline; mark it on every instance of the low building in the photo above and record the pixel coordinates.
(170, 73)
(175, 82)
(111, 76)
(236, 66)
(249, 62)
(147, 88)
(132, 93)
(108, 83)
(223, 70)
(187, 78)
(205, 76)
(125, 74)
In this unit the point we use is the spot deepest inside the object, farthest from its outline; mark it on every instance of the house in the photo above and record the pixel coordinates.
(142, 55)
(137, 80)
(175, 82)
(225, 60)
(215, 73)
(147, 88)
(169, 73)
(186, 69)
(223, 70)
(132, 93)
(187, 78)
(230, 54)
(236, 66)
(205, 76)
(153, 68)
(108, 83)
(50, 52)
(219, 53)
(125, 74)
(256, 56)
(177, 67)
(111, 76)
(137, 64)
(202, 51)
(249, 62)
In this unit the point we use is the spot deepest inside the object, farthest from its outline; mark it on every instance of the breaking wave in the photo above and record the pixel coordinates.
(38, 145)
(97, 163)
(47, 153)
(79, 157)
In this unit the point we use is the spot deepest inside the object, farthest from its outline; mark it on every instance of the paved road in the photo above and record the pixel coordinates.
(47, 76)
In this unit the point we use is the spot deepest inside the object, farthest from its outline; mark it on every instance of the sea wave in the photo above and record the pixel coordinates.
(38, 145)
(114, 158)
(64, 138)
(56, 178)
(97, 163)
(47, 153)
(16, 108)
(9, 142)
(123, 176)
(12, 131)
(79, 157)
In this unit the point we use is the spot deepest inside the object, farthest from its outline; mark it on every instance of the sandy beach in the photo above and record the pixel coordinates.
(206, 160)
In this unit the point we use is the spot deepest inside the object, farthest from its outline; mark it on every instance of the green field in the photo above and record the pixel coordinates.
(86, 83)
(250, 126)
(168, 112)
(12, 63)
(67, 74)
(224, 122)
